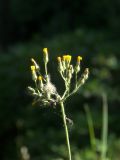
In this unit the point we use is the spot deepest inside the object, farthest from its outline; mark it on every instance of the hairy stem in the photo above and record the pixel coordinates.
(46, 71)
(75, 80)
(66, 129)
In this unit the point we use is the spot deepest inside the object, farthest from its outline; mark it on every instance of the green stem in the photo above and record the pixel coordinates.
(46, 69)
(75, 80)
(105, 127)
(46, 73)
(66, 129)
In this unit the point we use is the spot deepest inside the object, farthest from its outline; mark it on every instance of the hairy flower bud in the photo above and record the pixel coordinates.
(45, 55)
(60, 66)
(84, 77)
(86, 73)
(40, 82)
(30, 90)
(71, 68)
(79, 58)
(77, 67)
(35, 64)
(34, 76)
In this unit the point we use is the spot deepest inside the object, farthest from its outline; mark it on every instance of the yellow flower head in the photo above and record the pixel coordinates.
(79, 58)
(32, 68)
(40, 78)
(45, 50)
(59, 59)
(67, 58)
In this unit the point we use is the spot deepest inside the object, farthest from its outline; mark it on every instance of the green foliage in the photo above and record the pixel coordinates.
(40, 129)
(21, 19)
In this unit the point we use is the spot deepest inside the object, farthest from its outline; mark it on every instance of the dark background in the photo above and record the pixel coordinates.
(80, 27)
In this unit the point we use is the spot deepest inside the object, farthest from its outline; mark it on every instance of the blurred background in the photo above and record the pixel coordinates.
(80, 27)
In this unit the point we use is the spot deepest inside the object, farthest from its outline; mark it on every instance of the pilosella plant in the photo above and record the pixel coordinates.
(45, 93)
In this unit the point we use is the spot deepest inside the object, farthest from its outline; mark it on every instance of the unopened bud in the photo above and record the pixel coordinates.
(77, 67)
(35, 64)
(84, 77)
(32, 68)
(71, 68)
(34, 76)
(60, 66)
(45, 55)
(86, 73)
(79, 58)
(30, 90)
(40, 82)
(82, 81)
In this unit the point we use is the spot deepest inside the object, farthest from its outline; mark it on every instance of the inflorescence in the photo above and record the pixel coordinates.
(44, 92)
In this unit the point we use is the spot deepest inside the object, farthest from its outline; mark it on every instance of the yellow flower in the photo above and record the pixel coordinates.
(32, 68)
(79, 58)
(67, 58)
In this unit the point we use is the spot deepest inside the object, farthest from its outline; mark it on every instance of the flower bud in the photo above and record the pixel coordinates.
(45, 55)
(32, 68)
(30, 90)
(34, 76)
(71, 68)
(77, 67)
(60, 66)
(35, 64)
(86, 73)
(40, 82)
(84, 77)
(79, 58)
